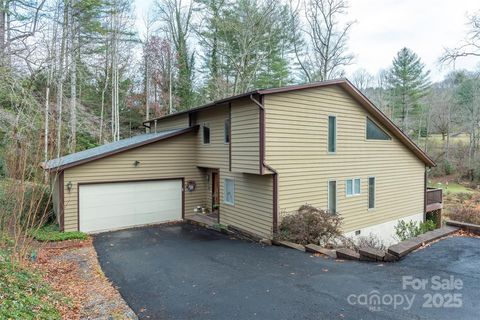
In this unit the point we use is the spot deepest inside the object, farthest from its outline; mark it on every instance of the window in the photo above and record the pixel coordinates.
(371, 192)
(229, 191)
(332, 132)
(226, 133)
(352, 187)
(374, 132)
(332, 196)
(206, 134)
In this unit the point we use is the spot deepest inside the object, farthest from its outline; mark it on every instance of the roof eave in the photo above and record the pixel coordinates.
(120, 150)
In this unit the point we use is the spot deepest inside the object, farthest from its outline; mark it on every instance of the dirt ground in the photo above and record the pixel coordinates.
(72, 268)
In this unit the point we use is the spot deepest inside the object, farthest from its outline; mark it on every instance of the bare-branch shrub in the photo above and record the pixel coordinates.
(465, 214)
(311, 225)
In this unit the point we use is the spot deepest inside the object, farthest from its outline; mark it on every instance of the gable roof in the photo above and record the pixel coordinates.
(109, 149)
(356, 94)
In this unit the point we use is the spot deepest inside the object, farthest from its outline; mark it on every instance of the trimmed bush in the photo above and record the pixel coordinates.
(310, 225)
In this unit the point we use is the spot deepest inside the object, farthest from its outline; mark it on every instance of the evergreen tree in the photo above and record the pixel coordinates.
(408, 83)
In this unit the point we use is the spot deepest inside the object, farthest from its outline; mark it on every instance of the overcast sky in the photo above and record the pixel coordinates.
(385, 26)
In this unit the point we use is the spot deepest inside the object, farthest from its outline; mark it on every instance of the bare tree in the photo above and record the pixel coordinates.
(362, 79)
(328, 38)
(470, 46)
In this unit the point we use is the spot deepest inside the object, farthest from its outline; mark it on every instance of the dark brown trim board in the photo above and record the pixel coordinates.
(262, 135)
(61, 201)
(425, 195)
(230, 141)
(182, 179)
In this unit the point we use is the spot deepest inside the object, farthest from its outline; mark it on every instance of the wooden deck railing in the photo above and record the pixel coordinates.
(434, 195)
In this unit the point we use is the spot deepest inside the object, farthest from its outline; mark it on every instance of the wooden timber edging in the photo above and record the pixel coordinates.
(470, 227)
(392, 254)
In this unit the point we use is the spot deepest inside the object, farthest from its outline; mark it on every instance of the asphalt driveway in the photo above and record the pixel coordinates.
(187, 272)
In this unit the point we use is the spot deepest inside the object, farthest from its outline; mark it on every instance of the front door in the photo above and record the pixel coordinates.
(215, 191)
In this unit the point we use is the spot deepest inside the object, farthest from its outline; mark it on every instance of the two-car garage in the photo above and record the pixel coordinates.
(109, 206)
(132, 182)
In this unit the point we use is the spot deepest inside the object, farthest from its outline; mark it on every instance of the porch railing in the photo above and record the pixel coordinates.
(434, 195)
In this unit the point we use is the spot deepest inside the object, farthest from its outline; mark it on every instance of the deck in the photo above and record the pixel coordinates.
(434, 199)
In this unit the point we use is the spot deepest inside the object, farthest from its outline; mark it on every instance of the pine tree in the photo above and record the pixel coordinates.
(408, 83)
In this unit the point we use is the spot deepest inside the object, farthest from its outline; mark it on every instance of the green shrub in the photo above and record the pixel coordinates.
(24, 294)
(447, 167)
(406, 230)
(310, 225)
(51, 232)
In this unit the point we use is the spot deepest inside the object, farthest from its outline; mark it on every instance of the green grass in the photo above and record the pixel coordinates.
(24, 294)
(452, 188)
(51, 232)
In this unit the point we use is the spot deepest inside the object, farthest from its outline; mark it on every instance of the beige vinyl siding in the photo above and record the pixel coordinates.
(245, 137)
(296, 146)
(253, 209)
(214, 154)
(174, 122)
(171, 158)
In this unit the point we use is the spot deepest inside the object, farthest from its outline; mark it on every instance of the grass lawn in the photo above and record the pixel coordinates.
(452, 188)
(24, 294)
(51, 232)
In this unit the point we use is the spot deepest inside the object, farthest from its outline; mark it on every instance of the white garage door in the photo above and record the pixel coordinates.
(109, 206)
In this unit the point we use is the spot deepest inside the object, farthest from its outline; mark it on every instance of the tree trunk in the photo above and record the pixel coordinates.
(61, 78)
(3, 29)
(73, 83)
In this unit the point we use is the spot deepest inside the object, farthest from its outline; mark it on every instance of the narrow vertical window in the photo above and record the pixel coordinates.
(226, 131)
(371, 193)
(229, 191)
(206, 134)
(332, 196)
(332, 134)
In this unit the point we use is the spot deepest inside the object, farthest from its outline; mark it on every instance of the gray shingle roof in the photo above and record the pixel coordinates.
(112, 147)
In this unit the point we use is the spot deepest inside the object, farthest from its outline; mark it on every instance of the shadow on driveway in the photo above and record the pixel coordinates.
(187, 272)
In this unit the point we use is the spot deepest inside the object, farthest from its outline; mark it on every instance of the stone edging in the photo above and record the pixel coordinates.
(394, 252)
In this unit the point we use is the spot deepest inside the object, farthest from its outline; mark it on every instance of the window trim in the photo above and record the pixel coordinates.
(374, 193)
(225, 132)
(334, 134)
(353, 187)
(225, 193)
(336, 195)
(375, 122)
(205, 125)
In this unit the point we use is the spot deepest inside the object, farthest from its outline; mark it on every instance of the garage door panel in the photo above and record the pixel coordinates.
(110, 206)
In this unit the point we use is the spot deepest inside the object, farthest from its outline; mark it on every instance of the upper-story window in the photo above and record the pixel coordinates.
(374, 132)
(226, 133)
(206, 134)
(332, 134)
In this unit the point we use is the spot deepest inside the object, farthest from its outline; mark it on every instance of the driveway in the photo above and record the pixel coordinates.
(187, 272)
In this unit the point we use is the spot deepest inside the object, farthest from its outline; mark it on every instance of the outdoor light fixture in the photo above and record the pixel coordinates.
(69, 186)
(136, 163)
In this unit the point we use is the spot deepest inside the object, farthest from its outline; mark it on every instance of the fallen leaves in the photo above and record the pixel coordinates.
(73, 269)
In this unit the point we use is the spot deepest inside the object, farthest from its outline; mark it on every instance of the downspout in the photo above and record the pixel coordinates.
(263, 163)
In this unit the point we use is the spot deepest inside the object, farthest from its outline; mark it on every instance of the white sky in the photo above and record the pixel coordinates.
(385, 26)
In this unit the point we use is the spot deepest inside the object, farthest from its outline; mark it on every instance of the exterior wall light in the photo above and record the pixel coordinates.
(69, 186)
(136, 163)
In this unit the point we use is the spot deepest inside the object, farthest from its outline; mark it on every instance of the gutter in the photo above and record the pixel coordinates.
(263, 163)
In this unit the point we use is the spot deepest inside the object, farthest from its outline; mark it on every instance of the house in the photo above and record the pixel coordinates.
(246, 160)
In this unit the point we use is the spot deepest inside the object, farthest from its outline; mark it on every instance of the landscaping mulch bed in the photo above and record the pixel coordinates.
(72, 268)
